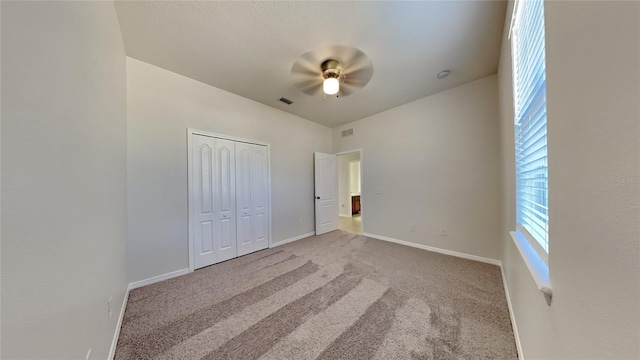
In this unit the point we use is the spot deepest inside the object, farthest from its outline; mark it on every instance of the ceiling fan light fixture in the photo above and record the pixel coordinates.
(331, 86)
(345, 71)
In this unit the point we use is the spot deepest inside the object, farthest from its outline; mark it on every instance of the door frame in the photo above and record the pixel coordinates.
(190, 133)
(362, 208)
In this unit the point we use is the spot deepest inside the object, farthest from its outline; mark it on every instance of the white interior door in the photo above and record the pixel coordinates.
(225, 200)
(229, 210)
(260, 192)
(326, 189)
(252, 197)
(213, 200)
(202, 201)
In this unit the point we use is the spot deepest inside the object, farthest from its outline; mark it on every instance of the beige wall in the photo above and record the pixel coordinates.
(593, 81)
(344, 184)
(433, 163)
(63, 178)
(161, 106)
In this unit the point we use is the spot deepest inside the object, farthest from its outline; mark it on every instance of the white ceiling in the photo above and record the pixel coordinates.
(248, 48)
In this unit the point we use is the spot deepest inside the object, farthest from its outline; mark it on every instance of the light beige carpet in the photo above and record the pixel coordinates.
(335, 296)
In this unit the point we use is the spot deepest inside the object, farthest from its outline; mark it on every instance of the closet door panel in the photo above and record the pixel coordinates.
(260, 194)
(224, 197)
(244, 198)
(203, 183)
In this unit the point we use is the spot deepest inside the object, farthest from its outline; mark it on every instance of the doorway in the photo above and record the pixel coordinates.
(349, 192)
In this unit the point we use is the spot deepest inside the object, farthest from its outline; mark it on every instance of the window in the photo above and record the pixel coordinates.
(530, 123)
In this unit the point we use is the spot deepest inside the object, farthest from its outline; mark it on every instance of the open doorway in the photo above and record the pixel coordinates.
(349, 192)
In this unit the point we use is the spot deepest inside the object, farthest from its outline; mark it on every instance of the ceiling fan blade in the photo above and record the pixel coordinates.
(306, 73)
(344, 54)
(308, 85)
(358, 60)
(360, 77)
(311, 57)
(350, 58)
(309, 61)
(346, 90)
(299, 69)
(361, 62)
(313, 90)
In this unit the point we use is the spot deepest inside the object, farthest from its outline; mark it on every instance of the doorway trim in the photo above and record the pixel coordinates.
(362, 202)
(190, 133)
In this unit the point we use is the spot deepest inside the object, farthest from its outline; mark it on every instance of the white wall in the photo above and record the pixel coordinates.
(63, 178)
(161, 106)
(435, 162)
(593, 81)
(354, 177)
(344, 184)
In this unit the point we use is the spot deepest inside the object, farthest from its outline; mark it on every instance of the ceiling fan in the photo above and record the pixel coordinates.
(335, 70)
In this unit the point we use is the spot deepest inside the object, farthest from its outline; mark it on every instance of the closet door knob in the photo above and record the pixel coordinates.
(318, 197)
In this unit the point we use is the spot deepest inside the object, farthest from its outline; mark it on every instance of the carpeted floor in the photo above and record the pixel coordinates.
(335, 296)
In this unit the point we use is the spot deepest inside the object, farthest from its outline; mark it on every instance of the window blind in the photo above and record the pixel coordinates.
(529, 80)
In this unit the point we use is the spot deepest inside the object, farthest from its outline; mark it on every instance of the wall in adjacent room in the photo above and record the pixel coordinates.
(161, 106)
(593, 92)
(433, 163)
(64, 207)
(344, 191)
(354, 177)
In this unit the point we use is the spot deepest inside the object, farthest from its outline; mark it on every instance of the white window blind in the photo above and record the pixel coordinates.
(529, 81)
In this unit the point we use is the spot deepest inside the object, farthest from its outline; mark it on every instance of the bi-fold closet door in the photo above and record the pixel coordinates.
(229, 199)
(252, 197)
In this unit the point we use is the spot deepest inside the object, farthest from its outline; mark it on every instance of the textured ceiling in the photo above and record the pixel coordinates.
(248, 48)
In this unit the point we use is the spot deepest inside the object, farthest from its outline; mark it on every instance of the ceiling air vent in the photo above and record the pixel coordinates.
(347, 132)
(285, 100)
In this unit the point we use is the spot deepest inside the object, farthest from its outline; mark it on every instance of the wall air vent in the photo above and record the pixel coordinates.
(347, 132)
(285, 100)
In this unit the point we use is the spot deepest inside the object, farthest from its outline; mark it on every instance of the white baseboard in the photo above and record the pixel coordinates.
(295, 238)
(155, 279)
(513, 318)
(347, 216)
(435, 249)
(116, 335)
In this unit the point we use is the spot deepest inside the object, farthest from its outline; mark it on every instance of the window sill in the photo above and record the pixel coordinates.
(538, 268)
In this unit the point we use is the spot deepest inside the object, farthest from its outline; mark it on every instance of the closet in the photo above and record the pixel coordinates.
(228, 198)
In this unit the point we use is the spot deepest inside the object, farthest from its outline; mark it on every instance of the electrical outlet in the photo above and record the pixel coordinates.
(88, 354)
(110, 306)
(443, 232)
(412, 228)
(300, 221)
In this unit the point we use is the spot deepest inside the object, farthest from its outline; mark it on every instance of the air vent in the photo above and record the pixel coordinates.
(285, 100)
(347, 132)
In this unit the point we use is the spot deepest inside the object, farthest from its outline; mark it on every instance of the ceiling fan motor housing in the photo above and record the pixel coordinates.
(331, 69)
